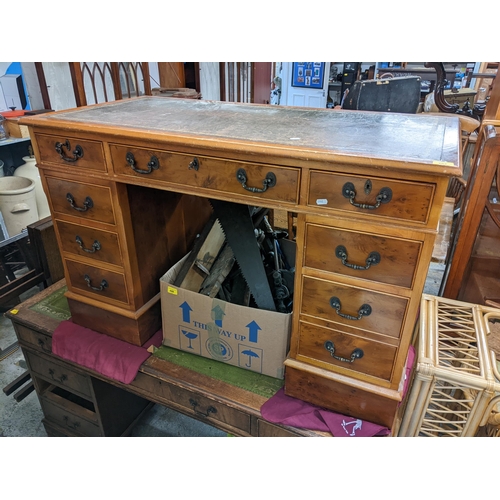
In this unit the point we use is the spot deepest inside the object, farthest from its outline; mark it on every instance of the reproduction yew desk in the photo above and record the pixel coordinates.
(128, 184)
(77, 401)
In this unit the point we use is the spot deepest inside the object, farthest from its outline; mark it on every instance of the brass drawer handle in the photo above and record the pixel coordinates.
(268, 182)
(364, 310)
(73, 425)
(356, 354)
(61, 379)
(194, 164)
(95, 246)
(372, 259)
(153, 164)
(41, 344)
(103, 285)
(77, 153)
(87, 203)
(209, 410)
(384, 196)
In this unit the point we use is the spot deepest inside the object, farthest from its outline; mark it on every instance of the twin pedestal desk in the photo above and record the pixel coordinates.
(128, 184)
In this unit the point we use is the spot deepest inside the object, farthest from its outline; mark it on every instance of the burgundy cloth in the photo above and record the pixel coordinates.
(106, 355)
(283, 409)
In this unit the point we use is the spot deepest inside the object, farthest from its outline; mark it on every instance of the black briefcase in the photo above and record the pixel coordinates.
(397, 95)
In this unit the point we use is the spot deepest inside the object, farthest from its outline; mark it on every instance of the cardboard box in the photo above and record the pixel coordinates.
(253, 339)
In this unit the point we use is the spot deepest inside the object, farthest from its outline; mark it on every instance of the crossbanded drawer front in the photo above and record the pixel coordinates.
(361, 255)
(88, 242)
(59, 375)
(71, 152)
(87, 201)
(351, 352)
(197, 406)
(266, 429)
(72, 422)
(239, 178)
(353, 306)
(372, 196)
(97, 283)
(36, 339)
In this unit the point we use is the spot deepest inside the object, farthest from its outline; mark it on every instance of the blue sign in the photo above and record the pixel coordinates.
(308, 74)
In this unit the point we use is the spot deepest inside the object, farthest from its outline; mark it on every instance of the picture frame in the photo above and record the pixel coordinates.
(308, 74)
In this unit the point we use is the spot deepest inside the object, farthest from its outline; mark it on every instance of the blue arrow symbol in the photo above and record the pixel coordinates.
(253, 331)
(186, 317)
(217, 315)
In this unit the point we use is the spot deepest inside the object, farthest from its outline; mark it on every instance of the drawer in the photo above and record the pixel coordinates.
(361, 255)
(54, 430)
(400, 200)
(59, 374)
(88, 242)
(266, 429)
(88, 201)
(97, 283)
(34, 338)
(192, 404)
(72, 153)
(352, 352)
(70, 415)
(331, 301)
(227, 176)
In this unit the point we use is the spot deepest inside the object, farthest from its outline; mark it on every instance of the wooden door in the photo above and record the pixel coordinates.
(261, 86)
(172, 75)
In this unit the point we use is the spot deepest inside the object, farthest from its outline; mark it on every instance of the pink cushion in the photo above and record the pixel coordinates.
(106, 355)
(283, 409)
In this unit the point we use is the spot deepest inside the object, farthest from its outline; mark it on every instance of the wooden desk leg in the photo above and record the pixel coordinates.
(18, 382)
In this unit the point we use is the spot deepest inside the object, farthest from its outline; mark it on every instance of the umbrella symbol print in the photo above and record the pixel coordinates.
(250, 354)
(190, 336)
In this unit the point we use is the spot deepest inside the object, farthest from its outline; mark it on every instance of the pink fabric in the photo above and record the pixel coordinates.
(106, 355)
(283, 409)
(410, 359)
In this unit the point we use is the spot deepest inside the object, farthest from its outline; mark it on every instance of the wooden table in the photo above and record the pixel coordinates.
(76, 400)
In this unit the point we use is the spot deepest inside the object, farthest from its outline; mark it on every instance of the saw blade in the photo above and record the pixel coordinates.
(238, 227)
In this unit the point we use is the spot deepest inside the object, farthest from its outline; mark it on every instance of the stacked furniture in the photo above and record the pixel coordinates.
(128, 184)
(79, 401)
(74, 402)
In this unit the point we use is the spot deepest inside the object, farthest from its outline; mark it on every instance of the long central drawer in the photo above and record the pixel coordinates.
(266, 182)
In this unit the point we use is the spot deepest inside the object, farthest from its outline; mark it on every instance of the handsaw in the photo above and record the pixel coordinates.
(238, 227)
